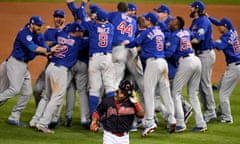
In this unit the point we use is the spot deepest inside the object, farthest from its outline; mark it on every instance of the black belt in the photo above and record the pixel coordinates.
(25, 61)
(100, 53)
(185, 56)
(236, 63)
(202, 51)
(119, 134)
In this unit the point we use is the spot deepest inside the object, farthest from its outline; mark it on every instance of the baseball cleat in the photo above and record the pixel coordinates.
(199, 129)
(180, 128)
(226, 121)
(32, 124)
(171, 127)
(17, 123)
(149, 129)
(187, 114)
(68, 122)
(44, 129)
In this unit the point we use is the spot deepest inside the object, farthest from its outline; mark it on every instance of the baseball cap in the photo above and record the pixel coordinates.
(59, 13)
(75, 27)
(226, 22)
(163, 8)
(37, 20)
(198, 4)
(132, 7)
(126, 86)
(94, 8)
(102, 15)
(151, 17)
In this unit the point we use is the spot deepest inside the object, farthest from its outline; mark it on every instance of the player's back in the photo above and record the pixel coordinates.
(125, 27)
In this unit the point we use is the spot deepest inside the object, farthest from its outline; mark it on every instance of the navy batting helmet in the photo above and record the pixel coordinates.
(127, 87)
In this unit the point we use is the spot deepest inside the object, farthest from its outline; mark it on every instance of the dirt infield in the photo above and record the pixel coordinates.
(15, 15)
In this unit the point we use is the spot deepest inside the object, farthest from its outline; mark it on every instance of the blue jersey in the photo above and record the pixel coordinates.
(125, 27)
(50, 35)
(100, 35)
(151, 41)
(202, 30)
(178, 44)
(70, 48)
(229, 44)
(83, 54)
(26, 43)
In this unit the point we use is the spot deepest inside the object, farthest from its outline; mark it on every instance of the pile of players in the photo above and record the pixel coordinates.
(93, 54)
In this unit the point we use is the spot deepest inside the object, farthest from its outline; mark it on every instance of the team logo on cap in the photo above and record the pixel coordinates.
(127, 86)
(29, 38)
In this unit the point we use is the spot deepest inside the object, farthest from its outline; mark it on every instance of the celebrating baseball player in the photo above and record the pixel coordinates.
(101, 71)
(152, 41)
(202, 43)
(57, 76)
(229, 45)
(164, 17)
(28, 43)
(118, 114)
(49, 35)
(178, 46)
(125, 28)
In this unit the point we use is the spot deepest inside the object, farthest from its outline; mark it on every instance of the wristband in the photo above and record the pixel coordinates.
(138, 107)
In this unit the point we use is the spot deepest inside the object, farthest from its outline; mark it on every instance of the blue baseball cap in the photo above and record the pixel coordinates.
(132, 7)
(94, 8)
(75, 27)
(102, 15)
(59, 13)
(198, 4)
(163, 8)
(152, 17)
(226, 22)
(37, 20)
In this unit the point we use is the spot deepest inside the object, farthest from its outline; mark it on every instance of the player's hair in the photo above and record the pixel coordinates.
(180, 22)
(122, 7)
(141, 22)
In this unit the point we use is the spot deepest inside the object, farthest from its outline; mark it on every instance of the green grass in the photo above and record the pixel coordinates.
(223, 2)
(216, 133)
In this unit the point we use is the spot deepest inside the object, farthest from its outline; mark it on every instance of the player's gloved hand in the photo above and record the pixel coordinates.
(133, 98)
(94, 126)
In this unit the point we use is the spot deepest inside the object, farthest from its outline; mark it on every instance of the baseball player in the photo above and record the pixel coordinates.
(178, 46)
(229, 44)
(132, 10)
(79, 78)
(125, 30)
(49, 35)
(164, 17)
(152, 41)
(57, 76)
(202, 43)
(119, 112)
(101, 71)
(28, 43)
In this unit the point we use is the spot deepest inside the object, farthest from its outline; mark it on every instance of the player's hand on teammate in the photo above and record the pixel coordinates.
(55, 48)
(94, 126)
(133, 98)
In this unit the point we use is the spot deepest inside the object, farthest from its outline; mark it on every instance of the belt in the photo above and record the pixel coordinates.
(119, 134)
(186, 56)
(99, 54)
(235, 63)
(25, 61)
(203, 51)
